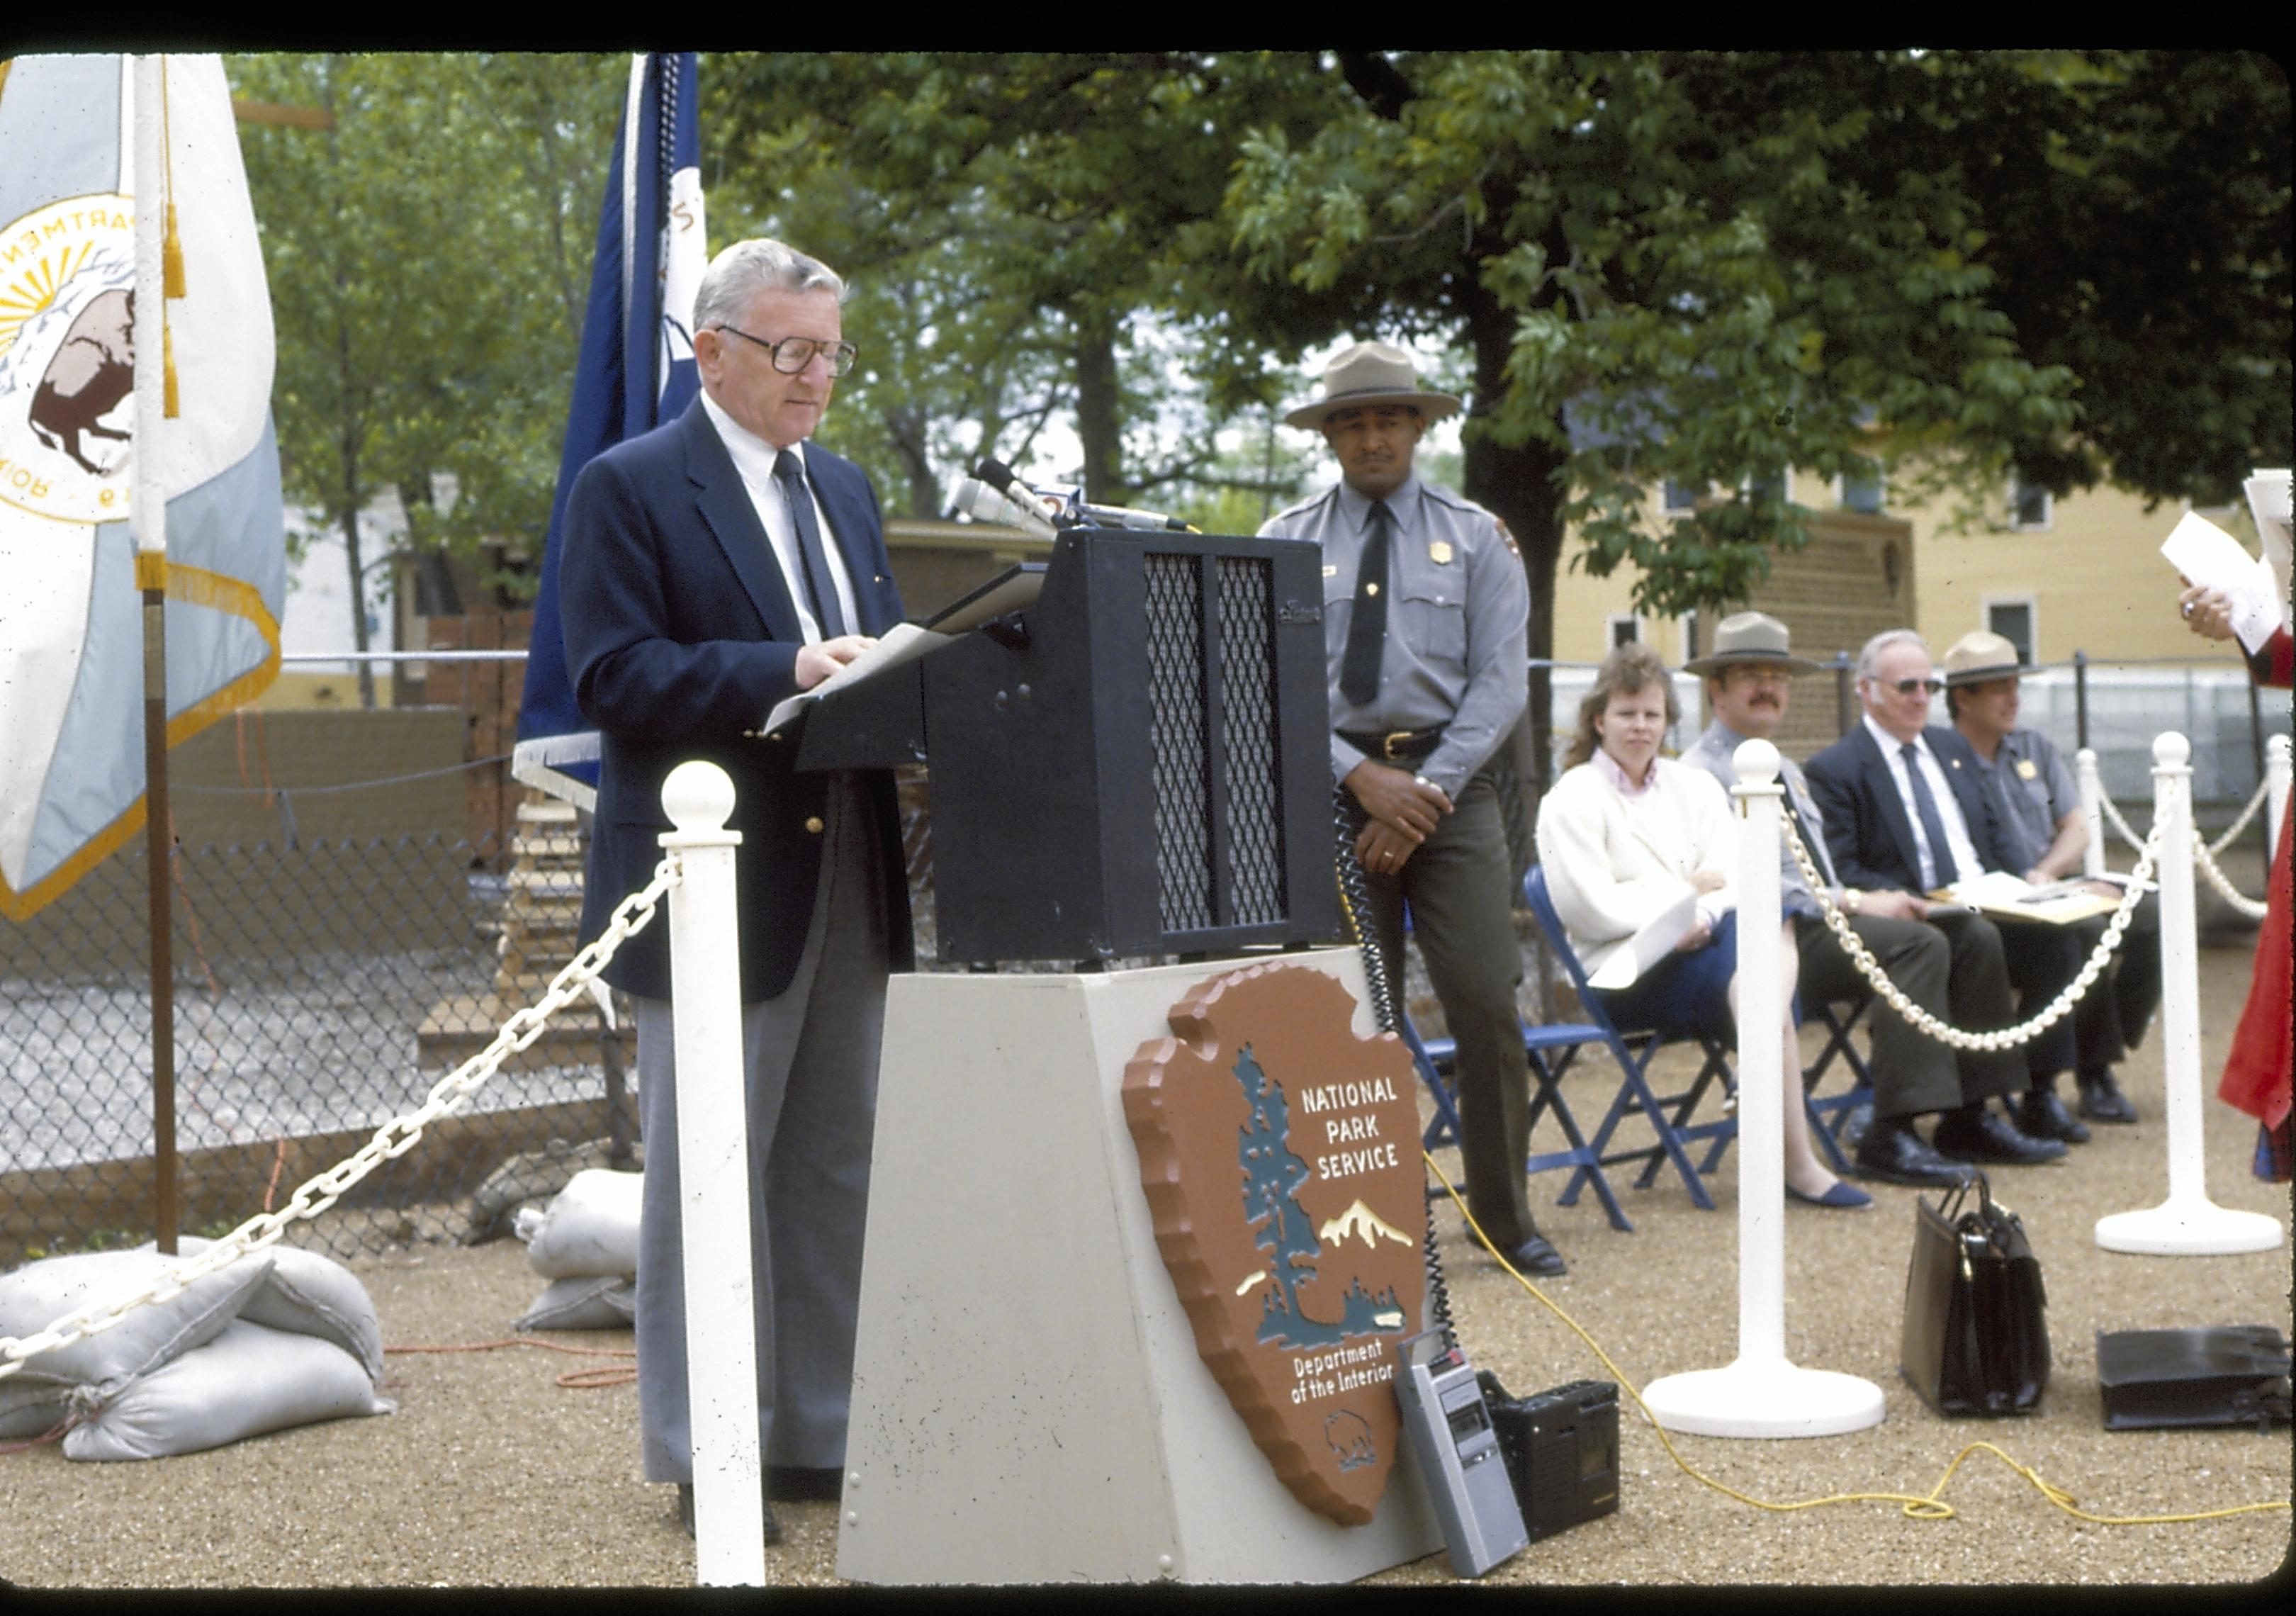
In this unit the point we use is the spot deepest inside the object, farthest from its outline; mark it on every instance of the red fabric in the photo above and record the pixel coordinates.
(2264, 1046)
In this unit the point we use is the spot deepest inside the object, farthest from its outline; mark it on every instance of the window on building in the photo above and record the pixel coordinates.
(2013, 621)
(1690, 636)
(1861, 492)
(1771, 483)
(1626, 628)
(1681, 498)
(2030, 509)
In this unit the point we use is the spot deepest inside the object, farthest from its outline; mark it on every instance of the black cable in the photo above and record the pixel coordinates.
(1355, 900)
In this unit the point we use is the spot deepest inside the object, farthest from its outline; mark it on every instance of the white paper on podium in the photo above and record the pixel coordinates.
(1649, 946)
(902, 642)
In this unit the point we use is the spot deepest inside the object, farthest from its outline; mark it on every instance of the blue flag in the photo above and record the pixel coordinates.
(636, 372)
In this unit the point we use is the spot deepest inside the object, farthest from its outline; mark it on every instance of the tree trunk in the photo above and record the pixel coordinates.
(1519, 485)
(1100, 405)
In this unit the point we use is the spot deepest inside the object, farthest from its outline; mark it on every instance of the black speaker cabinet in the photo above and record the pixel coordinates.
(1137, 764)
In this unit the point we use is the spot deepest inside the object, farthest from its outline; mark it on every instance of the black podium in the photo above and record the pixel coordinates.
(1135, 765)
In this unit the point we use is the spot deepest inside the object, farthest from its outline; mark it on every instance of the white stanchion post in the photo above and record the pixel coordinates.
(2275, 793)
(713, 1166)
(2188, 1224)
(2092, 807)
(1761, 1393)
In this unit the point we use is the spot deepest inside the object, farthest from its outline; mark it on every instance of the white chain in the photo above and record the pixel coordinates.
(2112, 813)
(2007, 1037)
(393, 1139)
(2202, 858)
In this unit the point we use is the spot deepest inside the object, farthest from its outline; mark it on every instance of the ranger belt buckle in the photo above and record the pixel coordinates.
(1396, 738)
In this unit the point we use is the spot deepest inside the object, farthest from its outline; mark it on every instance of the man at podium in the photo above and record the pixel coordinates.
(713, 567)
(1424, 613)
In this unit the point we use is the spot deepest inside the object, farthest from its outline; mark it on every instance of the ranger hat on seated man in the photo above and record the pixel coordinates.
(1975, 658)
(1371, 374)
(1749, 637)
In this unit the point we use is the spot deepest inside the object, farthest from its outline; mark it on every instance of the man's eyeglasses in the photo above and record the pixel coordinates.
(791, 355)
(1906, 687)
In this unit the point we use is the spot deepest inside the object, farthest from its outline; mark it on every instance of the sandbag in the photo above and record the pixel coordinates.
(312, 1294)
(38, 1295)
(584, 1301)
(591, 1227)
(249, 1380)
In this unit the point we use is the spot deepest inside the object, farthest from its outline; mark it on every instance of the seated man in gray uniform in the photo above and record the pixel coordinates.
(1948, 967)
(1425, 606)
(2041, 813)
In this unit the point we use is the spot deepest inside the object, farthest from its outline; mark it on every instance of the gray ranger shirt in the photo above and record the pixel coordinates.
(1715, 753)
(1457, 650)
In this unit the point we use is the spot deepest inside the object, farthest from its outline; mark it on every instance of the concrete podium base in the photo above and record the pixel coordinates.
(1029, 1404)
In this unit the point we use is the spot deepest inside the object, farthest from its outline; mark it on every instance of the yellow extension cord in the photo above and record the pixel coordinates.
(1928, 1506)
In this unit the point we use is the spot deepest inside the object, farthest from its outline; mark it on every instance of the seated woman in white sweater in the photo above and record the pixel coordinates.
(1624, 836)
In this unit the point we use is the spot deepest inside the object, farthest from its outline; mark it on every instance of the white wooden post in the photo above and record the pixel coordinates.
(1761, 1393)
(713, 1166)
(2092, 795)
(2188, 1224)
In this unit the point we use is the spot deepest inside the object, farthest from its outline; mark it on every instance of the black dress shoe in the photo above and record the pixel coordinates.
(2041, 1115)
(1855, 1124)
(804, 1483)
(1982, 1135)
(2101, 1099)
(773, 1534)
(1535, 1256)
(1893, 1153)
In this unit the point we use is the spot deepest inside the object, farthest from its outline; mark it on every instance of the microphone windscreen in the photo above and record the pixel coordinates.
(997, 474)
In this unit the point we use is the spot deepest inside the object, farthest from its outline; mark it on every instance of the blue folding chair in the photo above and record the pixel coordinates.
(1550, 1050)
(1833, 1112)
(1669, 1116)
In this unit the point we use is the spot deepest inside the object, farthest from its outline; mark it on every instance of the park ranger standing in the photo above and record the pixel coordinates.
(1424, 613)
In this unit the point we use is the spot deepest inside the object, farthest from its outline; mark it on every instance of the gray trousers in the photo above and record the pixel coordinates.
(1948, 966)
(810, 1074)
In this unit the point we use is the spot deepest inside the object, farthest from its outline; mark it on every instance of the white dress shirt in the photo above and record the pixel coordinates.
(753, 458)
(1948, 805)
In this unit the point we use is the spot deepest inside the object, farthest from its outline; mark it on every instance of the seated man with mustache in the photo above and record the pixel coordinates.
(1947, 961)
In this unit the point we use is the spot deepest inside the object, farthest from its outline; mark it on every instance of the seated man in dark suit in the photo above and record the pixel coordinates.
(1952, 971)
(1905, 812)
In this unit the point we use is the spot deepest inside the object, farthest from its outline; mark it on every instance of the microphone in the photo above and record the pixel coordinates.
(1123, 516)
(977, 498)
(1067, 511)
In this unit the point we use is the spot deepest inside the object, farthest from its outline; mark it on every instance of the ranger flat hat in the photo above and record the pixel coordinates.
(1751, 636)
(1370, 374)
(1975, 658)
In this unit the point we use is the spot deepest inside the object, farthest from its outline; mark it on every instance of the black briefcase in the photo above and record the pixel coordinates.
(1976, 1337)
(2215, 1375)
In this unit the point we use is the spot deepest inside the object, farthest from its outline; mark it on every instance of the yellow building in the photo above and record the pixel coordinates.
(2055, 575)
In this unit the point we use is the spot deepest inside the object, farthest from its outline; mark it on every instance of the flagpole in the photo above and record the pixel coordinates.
(148, 521)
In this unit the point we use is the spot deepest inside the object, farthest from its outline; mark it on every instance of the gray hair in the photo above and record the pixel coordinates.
(741, 272)
(1882, 641)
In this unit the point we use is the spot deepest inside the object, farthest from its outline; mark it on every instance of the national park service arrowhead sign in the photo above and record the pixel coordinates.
(1280, 1154)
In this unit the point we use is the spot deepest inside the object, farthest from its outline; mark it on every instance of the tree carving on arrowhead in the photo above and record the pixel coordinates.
(1279, 1155)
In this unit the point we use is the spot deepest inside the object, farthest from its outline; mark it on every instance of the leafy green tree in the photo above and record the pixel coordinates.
(1706, 268)
(1029, 236)
(428, 253)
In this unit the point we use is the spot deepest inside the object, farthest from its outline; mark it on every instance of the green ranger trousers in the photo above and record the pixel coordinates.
(1458, 889)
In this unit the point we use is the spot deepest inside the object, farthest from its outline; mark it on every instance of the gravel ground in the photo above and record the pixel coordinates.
(490, 1474)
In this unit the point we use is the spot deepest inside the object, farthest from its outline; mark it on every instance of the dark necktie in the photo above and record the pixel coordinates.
(1367, 622)
(1932, 827)
(820, 587)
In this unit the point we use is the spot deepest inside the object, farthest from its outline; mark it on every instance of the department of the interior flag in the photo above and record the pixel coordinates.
(71, 676)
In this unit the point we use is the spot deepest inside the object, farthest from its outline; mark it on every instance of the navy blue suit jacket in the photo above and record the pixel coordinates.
(680, 635)
(1867, 829)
